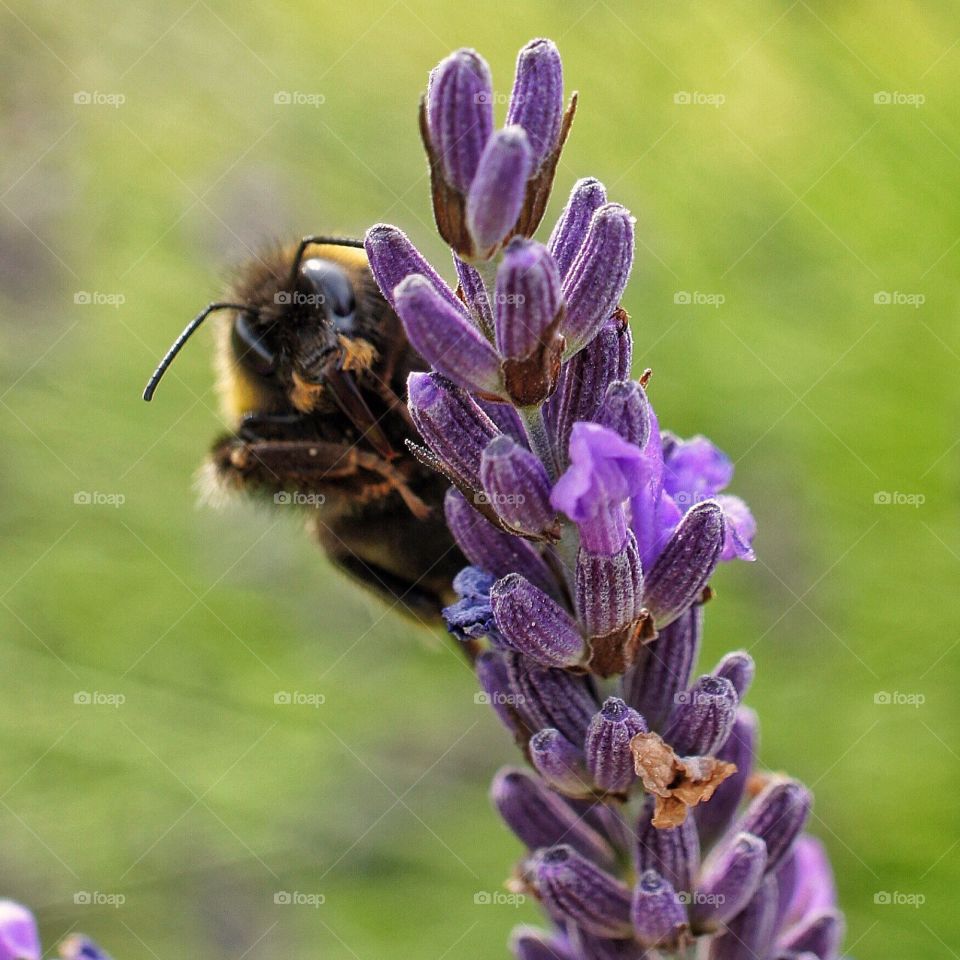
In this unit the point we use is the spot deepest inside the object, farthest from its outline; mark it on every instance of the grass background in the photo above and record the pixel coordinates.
(797, 200)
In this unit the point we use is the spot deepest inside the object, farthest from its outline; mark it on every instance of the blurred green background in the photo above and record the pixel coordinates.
(826, 221)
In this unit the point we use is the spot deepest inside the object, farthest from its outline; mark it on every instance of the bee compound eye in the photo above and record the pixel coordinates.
(333, 289)
(250, 346)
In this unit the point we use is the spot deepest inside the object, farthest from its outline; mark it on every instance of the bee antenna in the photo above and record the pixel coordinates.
(323, 241)
(177, 346)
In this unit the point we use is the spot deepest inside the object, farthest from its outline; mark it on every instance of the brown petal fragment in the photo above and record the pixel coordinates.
(678, 783)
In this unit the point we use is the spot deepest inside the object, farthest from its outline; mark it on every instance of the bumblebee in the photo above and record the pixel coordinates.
(312, 365)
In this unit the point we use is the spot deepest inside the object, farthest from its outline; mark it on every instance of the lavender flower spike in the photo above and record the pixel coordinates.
(536, 102)
(444, 336)
(686, 563)
(608, 745)
(659, 918)
(674, 852)
(576, 890)
(568, 235)
(460, 115)
(597, 277)
(730, 878)
(496, 196)
(534, 624)
(749, 934)
(517, 486)
(19, 939)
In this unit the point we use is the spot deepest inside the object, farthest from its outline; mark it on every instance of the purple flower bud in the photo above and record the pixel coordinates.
(604, 472)
(495, 681)
(496, 196)
(451, 425)
(731, 876)
(820, 934)
(609, 589)
(471, 617)
(651, 686)
(694, 469)
(444, 336)
(607, 745)
(79, 947)
(491, 549)
(475, 294)
(686, 563)
(506, 418)
(805, 881)
(393, 258)
(536, 102)
(584, 378)
(552, 698)
(571, 229)
(560, 763)
(527, 297)
(19, 939)
(741, 529)
(590, 947)
(575, 889)
(534, 624)
(715, 817)
(737, 667)
(460, 114)
(659, 919)
(540, 818)
(749, 934)
(517, 486)
(674, 852)
(703, 717)
(777, 816)
(597, 277)
(626, 410)
(529, 943)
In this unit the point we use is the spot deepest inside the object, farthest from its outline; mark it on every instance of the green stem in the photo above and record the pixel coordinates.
(539, 437)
